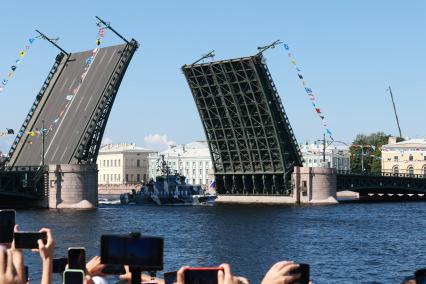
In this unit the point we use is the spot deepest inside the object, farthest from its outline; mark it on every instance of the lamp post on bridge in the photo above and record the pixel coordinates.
(362, 154)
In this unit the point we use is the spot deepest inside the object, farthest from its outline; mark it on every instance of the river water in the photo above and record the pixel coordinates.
(346, 243)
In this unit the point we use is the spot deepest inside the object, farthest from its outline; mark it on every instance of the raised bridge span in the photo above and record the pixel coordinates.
(77, 135)
(252, 144)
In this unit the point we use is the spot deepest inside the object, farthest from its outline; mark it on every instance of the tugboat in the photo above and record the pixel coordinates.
(168, 189)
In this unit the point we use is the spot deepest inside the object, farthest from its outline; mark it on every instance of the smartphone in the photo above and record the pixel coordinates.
(73, 276)
(7, 225)
(26, 275)
(77, 258)
(113, 269)
(145, 252)
(420, 276)
(170, 277)
(204, 275)
(28, 240)
(304, 273)
(59, 264)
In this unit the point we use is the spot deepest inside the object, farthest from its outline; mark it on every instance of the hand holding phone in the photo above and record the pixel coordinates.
(303, 270)
(59, 264)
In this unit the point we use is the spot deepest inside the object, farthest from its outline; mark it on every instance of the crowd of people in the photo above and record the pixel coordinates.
(12, 268)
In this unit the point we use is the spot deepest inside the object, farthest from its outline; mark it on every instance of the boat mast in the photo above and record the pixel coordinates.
(394, 109)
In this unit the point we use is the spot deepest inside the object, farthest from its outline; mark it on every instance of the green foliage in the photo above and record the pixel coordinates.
(371, 155)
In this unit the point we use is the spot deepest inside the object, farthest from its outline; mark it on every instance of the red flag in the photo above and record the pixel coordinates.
(318, 110)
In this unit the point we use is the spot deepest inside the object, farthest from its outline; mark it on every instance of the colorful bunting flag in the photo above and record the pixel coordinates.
(309, 92)
(88, 62)
(21, 54)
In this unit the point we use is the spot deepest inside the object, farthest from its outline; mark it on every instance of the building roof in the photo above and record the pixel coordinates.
(122, 147)
(411, 143)
(196, 149)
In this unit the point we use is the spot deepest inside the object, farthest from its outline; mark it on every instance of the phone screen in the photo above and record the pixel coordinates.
(59, 264)
(26, 275)
(28, 240)
(420, 276)
(145, 252)
(77, 258)
(170, 277)
(202, 275)
(7, 224)
(73, 276)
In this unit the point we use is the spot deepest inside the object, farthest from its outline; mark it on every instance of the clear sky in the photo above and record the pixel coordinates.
(349, 51)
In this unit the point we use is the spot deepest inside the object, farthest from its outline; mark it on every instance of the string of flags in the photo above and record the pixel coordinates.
(309, 92)
(88, 62)
(21, 54)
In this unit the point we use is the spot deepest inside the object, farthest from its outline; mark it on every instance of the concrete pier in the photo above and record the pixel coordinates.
(314, 185)
(73, 186)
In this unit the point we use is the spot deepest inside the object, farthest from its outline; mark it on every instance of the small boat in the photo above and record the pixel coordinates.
(168, 189)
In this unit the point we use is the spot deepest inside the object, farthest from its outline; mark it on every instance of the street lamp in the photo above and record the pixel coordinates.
(362, 154)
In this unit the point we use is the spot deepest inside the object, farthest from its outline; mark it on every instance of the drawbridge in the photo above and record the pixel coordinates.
(77, 135)
(252, 144)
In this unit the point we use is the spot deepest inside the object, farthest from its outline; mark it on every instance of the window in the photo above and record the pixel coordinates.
(138, 163)
(424, 158)
(119, 163)
(410, 170)
(201, 172)
(201, 164)
(138, 177)
(127, 177)
(107, 163)
(395, 170)
(395, 158)
(193, 172)
(104, 177)
(131, 177)
(410, 157)
(119, 177)
(103, 162)
(310, 161)
(424, 171)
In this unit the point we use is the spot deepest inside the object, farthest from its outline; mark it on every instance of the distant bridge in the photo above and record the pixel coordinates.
(381, 183)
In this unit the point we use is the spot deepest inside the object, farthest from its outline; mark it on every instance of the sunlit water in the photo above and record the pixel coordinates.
(346, 243)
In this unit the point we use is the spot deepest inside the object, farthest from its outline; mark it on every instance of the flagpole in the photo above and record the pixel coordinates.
(42, 143)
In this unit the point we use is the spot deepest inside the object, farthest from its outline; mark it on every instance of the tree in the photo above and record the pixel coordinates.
(371, 152)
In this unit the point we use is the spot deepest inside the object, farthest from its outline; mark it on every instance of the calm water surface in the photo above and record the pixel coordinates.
(347, 243)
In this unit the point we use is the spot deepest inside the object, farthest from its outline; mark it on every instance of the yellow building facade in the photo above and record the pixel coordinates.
(406, 157)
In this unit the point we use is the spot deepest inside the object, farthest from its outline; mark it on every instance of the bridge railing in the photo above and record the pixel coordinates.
(382, 174)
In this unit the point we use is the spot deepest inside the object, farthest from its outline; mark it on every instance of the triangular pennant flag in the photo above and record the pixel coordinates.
(300, 76)
(98, 41)
(318, 110)
(286, 46)
(21, 53)
(18, 61)
(31, 40)
(10, 75)
(13, 67)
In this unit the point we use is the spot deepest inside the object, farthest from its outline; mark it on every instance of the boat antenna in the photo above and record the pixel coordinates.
(394, 110)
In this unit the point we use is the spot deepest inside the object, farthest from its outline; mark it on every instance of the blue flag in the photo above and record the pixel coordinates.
(286, 47)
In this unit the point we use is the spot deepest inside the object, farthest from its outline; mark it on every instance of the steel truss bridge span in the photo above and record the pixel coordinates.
(76, 137)
(252, 144)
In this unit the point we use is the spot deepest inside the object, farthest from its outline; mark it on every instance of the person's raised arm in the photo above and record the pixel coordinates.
(46, 252)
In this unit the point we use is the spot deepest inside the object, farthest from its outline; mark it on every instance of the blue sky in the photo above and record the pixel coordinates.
(349, 51)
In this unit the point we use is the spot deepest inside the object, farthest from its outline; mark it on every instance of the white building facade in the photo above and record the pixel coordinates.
(123, 163)
(191, 160)
(335, 156)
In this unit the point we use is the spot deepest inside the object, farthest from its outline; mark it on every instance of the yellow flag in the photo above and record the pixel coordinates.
(21, 54)
(10, 74)
(31, 133)
(98, 42)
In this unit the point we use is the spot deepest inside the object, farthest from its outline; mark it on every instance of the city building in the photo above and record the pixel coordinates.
(122, 163)
(191, 160)
(336, 156)
(406, 157)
